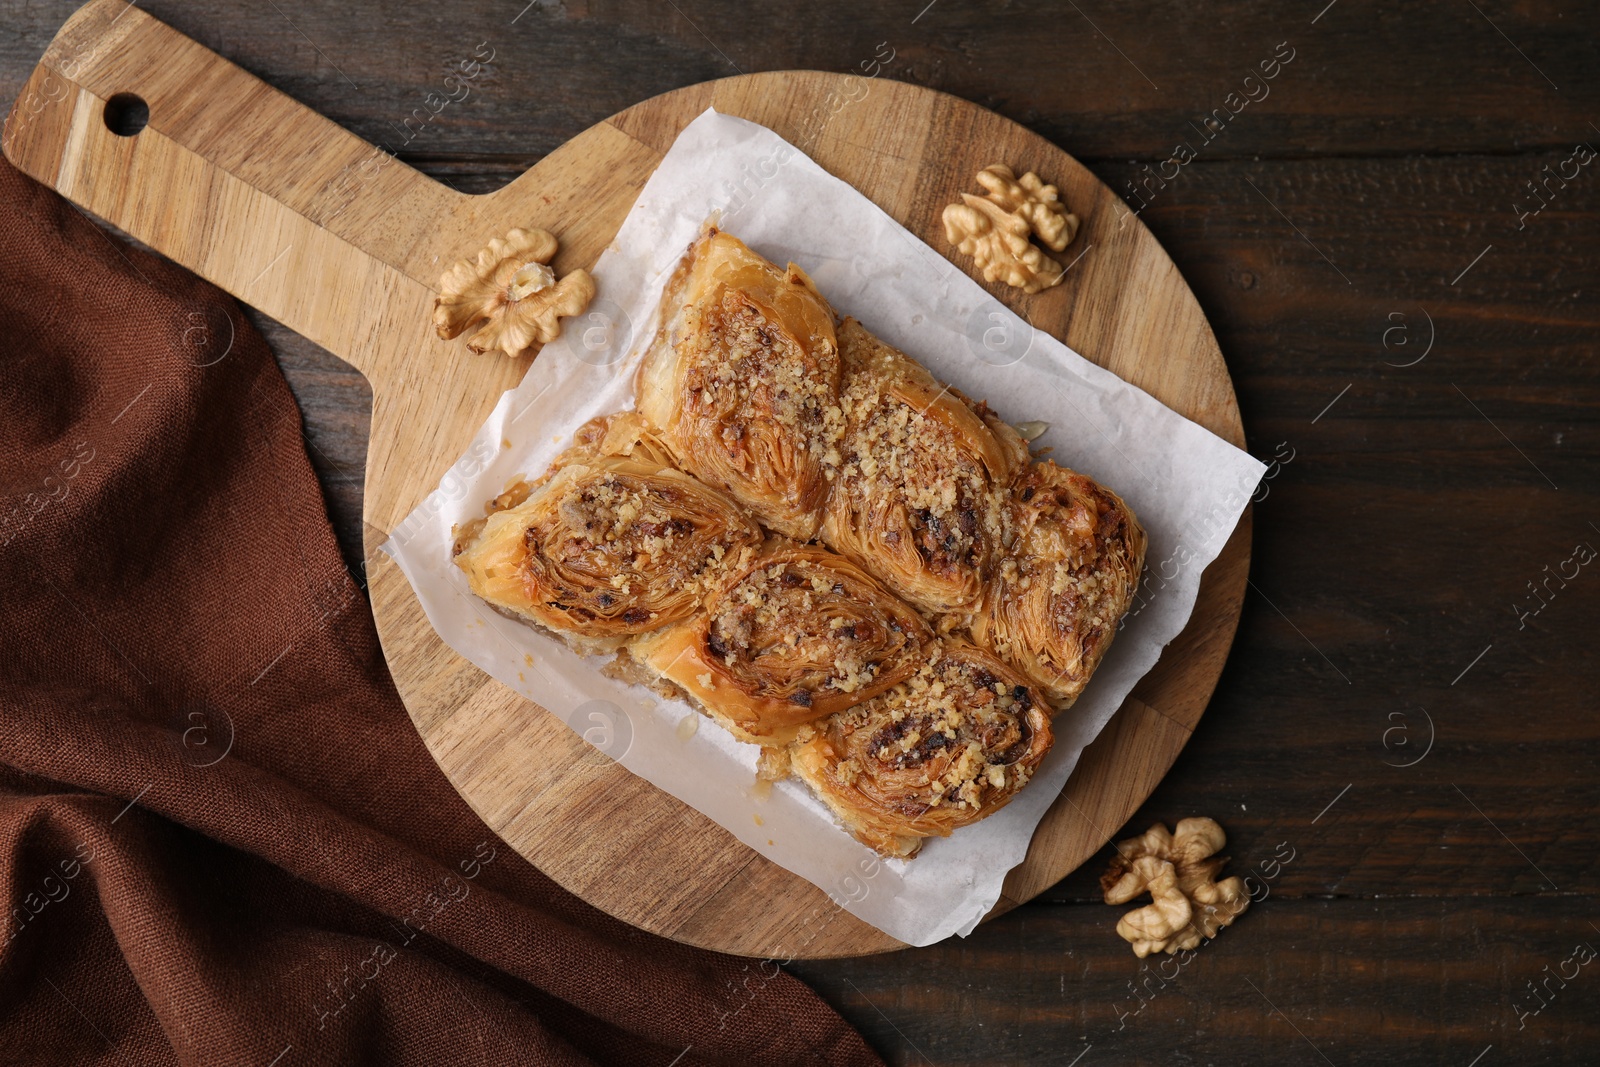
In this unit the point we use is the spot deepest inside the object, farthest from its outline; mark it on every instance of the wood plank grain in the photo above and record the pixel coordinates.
(1385, 982)
(1108, 82)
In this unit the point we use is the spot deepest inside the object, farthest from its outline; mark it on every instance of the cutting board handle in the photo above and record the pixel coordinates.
(230, 177)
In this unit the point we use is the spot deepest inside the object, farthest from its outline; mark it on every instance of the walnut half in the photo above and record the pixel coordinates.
(995, 229)
(512, 286)
(1179, 870)
(1035, 201)
(998, 241)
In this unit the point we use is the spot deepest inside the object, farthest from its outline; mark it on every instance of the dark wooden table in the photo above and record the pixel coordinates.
(1399, 250)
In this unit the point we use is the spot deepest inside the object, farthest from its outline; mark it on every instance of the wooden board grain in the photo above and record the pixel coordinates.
(345, 245)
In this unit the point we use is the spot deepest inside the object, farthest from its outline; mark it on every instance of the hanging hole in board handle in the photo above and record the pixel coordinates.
(126, 114)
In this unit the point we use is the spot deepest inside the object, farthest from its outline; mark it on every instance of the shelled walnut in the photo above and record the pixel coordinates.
(511, 285)
(1039, 203)
(1179, 870)
(995, 229)
(998, 242)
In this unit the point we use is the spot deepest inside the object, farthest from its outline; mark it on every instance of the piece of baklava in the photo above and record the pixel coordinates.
(947, 747)
(606, 548)
(795, 634)
(743, 380)
(920, 488)
(1058, 596)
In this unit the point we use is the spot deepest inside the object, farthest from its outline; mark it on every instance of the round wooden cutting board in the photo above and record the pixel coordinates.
(345, 245)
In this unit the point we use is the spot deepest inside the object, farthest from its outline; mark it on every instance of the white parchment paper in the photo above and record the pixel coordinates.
(1186, 485)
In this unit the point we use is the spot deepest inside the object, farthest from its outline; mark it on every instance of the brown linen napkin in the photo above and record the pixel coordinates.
(221, 840)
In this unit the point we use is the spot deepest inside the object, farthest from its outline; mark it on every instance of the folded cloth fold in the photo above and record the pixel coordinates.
(221, 840)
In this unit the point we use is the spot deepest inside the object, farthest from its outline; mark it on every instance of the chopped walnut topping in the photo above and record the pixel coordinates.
(920, 473)
(1068, 578)
(950, 701)
(812, 614)
(763, 392)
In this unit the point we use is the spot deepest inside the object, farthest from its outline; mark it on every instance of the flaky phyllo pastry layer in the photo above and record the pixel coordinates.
(746, 385)
(818, 544)
(950, 745)
(793, 634)
(608, 546)
(920, 478)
